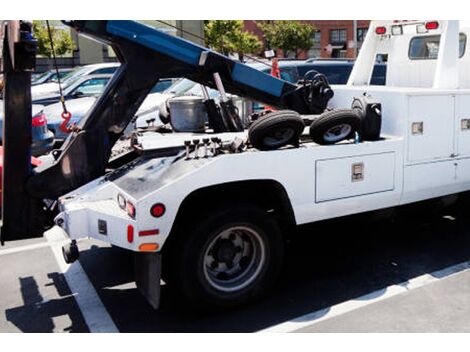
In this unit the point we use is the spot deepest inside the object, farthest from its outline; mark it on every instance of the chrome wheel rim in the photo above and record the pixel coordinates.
(234, 258)
(337, 133)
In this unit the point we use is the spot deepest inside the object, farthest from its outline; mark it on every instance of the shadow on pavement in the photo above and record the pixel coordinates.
(327, 263)
(39, 315)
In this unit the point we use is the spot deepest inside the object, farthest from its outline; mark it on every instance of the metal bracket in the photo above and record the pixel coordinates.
(465, 124)
(417, 128)
(357, 172)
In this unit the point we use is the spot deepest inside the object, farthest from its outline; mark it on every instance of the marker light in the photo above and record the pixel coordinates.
(157, 210)
(432, 25)
(121, 201)
(397, 30)
(380, 30)
(130, 233)
(149, 232)
(130, 208)
(148, 247)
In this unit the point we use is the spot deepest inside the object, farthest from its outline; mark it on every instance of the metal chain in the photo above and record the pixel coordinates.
(62, 99)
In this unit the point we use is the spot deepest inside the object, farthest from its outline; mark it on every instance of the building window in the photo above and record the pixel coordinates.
(361, 34)
(338, 36)
(315, 50)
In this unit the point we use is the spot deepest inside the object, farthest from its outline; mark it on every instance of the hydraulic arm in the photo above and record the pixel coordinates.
(146, 55)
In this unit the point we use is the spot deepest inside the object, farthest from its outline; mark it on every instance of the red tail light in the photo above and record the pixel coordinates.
(432, 25)
(157, 210)
(130, 208)
(39, 120)
(380, 30)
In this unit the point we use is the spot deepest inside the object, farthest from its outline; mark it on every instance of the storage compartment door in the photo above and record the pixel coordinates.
(430, 128)
(354, 176)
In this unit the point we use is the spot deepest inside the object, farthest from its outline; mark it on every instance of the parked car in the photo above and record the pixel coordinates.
(83, 86)
(95, 69)
(50, 76)
(43, 139)
(80, 106)
(336, 71)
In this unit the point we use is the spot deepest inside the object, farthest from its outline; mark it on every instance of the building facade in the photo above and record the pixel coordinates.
(332, 38)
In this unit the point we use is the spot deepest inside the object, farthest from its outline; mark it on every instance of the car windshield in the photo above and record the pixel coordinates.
(73, 76)
(180, 87)
(40, 76)
(197, 90)
(62, 75)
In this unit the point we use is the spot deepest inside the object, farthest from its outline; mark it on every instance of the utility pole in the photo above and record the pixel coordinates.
(355, 38)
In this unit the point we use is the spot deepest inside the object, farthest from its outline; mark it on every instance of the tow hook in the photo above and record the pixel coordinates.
(70, 252)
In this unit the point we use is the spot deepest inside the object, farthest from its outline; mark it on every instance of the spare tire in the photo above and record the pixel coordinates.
(276, 129)
(334, 126)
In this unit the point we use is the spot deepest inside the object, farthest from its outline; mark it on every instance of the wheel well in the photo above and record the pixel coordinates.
(270, 195)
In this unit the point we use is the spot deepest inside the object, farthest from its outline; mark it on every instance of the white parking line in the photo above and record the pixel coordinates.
(373, 297)
(93, 311)
(28, 247)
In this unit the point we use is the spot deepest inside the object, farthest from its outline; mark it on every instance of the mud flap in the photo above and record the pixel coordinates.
(147, 268)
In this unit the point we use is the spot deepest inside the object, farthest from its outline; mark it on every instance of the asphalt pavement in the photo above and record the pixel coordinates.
(329, 266)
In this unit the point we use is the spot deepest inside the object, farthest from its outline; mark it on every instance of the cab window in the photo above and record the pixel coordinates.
(427, 47)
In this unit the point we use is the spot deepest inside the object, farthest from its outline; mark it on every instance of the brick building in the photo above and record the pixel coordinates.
(331, 39)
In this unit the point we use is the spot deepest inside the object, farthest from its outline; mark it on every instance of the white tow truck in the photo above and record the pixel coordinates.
(216, 215)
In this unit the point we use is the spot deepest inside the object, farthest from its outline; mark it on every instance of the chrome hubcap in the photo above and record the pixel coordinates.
(234, 258)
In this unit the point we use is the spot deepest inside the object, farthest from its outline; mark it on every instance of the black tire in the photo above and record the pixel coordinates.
(323, 129)
(276, 129)
(70, 252)
(190, 273)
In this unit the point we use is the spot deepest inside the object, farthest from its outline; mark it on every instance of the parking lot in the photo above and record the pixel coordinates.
(409, 275)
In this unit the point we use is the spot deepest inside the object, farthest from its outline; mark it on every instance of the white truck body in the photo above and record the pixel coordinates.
(424, 152)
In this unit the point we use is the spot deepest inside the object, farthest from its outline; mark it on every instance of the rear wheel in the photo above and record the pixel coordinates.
(231, 258)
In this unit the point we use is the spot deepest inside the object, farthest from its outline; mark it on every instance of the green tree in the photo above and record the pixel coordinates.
(289, 36)
(63, 43)
(228, 37)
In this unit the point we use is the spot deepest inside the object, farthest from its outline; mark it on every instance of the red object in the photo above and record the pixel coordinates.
(34, 162)
(432, 25)
(66, 115)
(130, 209)
(380, 30)
(130, 233)
(149, 232)
(39, 120)
(275, 71)
(157, 210)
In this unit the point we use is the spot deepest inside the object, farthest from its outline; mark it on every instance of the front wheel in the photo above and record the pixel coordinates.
(231, 258)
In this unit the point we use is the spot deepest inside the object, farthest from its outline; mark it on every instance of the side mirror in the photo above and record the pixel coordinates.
(78, 94)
